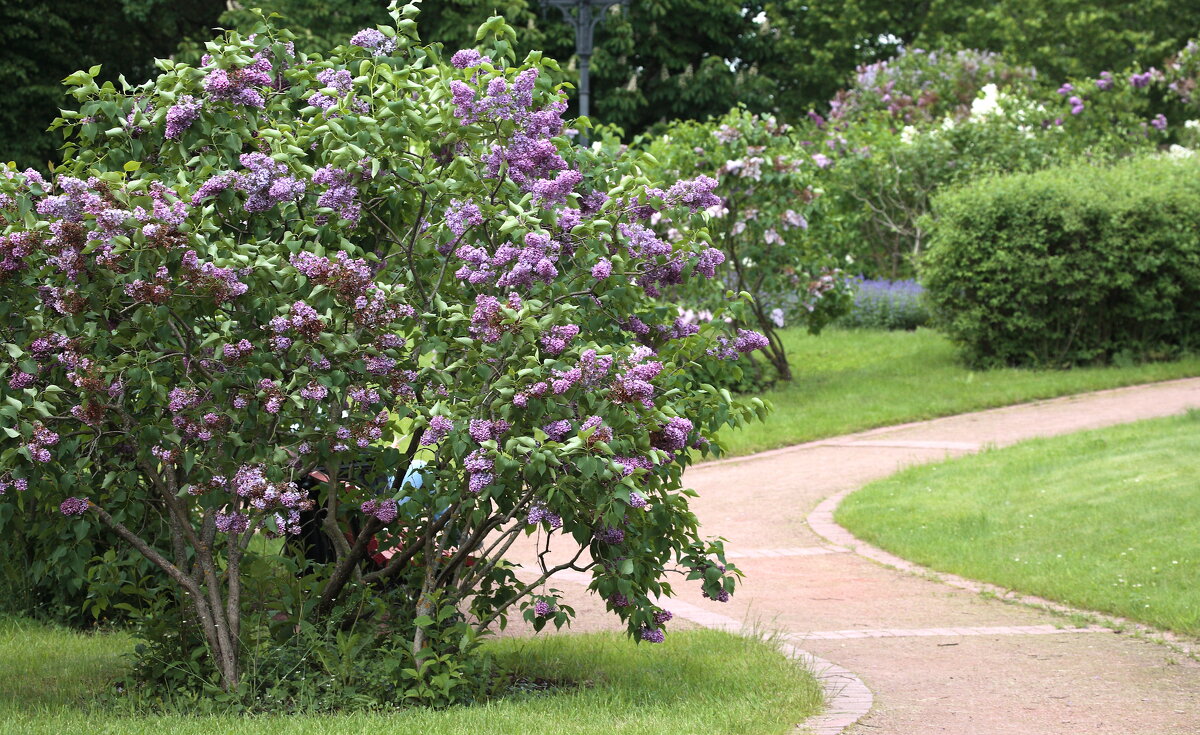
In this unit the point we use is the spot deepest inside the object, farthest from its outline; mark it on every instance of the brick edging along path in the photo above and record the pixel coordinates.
(939, 658)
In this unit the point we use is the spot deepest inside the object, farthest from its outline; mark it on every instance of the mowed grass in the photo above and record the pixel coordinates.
(1104, 520)
(697, 682)
(851, 380)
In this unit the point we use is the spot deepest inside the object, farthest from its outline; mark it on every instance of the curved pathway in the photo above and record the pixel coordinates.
(938, 658)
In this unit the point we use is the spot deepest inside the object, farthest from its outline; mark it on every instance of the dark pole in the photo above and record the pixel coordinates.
(583, 15)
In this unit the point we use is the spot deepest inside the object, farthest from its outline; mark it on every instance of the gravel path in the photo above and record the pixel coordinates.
(937, 658)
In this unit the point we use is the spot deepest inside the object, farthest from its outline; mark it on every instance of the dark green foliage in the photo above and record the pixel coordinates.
(1071, 265)
(67, 572)
(45, 40)
(1064, 37)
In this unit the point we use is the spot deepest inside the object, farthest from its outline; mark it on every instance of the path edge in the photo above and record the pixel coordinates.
(821, 521)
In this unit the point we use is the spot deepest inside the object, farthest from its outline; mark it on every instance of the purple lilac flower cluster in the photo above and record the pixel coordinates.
(374, 41)
(385, 510)
(37, 444)
(538, 513)
(479, 468)
(653, 635)
(511, 266)
(544, 609)
(73, 506)
(181, 115)
(241, 86)
(558, 338)
(19, 483)
(341, 194)
(439, 427)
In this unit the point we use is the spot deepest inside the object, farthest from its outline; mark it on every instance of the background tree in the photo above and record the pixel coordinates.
(45, 40)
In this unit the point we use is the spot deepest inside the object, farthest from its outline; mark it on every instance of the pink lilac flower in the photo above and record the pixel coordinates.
(822, 160)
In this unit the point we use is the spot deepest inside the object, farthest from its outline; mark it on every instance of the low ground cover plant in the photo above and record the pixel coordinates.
(883, 304)
(1075, 265)
(351, 325)
(1100, 520)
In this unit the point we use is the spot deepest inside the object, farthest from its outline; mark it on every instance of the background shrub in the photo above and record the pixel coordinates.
(1070, 265)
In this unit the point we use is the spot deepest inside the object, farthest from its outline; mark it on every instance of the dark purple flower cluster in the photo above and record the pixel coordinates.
(721, 596)
(479, 468)
(222, 284)
(618, 600)
(1143, 79)
(653, 635)
(469, 58)
(511, 266)
(749, 341)
(634, 385)
(462, 216)
(673, 436)
(610, 535)
(37, 443)
(556, 431)
(482, 430)
(234, 523)
(20, 379)
(486, 319)
(600, 432)
(14, 248)
(544, 609)
(73, 506)
(19, 483)
(267, 182)
(629, 464)
(637, 501)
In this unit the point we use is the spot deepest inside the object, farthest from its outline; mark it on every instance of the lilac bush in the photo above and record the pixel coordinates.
(759, 224)
(389, 273)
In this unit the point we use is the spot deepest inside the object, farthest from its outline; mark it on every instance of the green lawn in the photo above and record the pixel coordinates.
(697, 682)
(1104, 520)
(850, 380)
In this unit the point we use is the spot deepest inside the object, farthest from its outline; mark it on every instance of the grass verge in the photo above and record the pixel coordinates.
(698, 681)
(852, 380)
(1103, 520)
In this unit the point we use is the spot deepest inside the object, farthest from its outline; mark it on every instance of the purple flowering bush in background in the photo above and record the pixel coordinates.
(375, 299)
(759, 224)
(883, 304)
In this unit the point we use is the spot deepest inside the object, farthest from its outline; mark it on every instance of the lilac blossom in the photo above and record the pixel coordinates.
(73, 506)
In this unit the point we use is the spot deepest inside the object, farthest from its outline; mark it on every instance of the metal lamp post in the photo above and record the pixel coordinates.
(583, 15)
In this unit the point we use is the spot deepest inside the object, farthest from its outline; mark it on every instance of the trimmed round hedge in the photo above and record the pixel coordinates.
(1071, 265)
